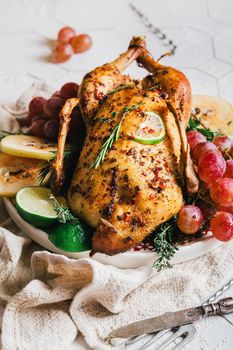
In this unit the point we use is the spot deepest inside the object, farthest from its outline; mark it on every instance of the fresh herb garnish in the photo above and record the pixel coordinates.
(107, 145)
(164, 245)
(64, 214)
(122, 87)
(195, 123)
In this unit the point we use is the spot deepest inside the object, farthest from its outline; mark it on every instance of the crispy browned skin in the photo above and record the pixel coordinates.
(136, 188)
(175, 88)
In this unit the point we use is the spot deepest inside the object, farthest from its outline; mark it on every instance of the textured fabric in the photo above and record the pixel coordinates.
(45, 299)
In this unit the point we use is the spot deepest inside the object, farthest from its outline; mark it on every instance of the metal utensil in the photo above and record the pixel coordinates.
(184, 334)
(174, 319)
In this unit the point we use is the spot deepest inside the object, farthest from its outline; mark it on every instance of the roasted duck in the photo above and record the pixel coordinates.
(134, 187)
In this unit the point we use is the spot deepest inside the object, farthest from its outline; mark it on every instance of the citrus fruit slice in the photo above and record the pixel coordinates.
(17, 172)
(35, 206)
(151, 131)
(70, 237)
(28, 146)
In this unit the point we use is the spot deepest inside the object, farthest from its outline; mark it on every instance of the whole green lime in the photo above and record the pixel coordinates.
(70, 237)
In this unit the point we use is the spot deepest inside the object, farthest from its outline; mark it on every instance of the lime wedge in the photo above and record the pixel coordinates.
(70, 237)
(28, 146)
(35, 207)
(151, 131)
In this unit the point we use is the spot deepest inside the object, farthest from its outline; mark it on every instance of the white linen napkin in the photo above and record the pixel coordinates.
(45, 298)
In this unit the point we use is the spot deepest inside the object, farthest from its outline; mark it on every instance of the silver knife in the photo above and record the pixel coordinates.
(174, 319)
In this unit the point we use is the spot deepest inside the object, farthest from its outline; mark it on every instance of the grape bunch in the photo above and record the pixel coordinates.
(43, 115)
(213, 162)
(68, 43)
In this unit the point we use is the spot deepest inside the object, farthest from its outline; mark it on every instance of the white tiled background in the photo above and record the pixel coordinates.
(202, 30)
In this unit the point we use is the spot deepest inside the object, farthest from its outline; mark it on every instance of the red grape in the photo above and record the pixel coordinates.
(201, 148)
(221, 225)
(206, 208)
(190, 219)
(231, 152)
(81, 43)
(53, 106)
(36, 106)
(65, 34)
(211, 166)
(194, 137)
(229, 208)
(221, 191)
(69, 90)
(223, 143)
(62, 53)
(56, 94)
(51, 129)
(39, 117)
(38, 127)
(229, 168)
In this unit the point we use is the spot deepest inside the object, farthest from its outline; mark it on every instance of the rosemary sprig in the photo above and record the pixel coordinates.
(122, 87)
(64, 214)
(195, 123)
(107, 145)
(163, 243)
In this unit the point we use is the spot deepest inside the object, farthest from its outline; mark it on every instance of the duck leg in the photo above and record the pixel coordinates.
(174, 87)
(65, 118)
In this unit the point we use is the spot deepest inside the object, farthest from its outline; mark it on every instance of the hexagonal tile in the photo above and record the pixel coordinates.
(12, 84)
(30, 53)
(209, 25)
(216, 67)
(201, 83)
(27, 15)
(221, 9)
(163, 12)
(95, 14)
(223, 45)
(225, 87)
(193, 47)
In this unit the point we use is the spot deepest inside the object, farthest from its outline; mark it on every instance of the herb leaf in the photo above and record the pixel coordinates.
(196, 124)
(163, 243)
(64, 214)
(122, 87)
(107, 145)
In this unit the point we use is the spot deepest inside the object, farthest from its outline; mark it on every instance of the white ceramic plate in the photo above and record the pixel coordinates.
(131, 259)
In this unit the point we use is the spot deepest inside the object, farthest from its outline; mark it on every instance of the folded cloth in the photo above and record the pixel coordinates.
(45, 298)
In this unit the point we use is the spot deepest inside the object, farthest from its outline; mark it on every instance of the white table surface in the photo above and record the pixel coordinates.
(202, 30)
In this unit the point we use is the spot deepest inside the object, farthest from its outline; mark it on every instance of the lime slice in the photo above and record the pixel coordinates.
(28, 146)
(70, 237)
(151, 131)
(34, 206)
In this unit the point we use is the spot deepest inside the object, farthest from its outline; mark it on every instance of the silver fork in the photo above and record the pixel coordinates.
(185, 333)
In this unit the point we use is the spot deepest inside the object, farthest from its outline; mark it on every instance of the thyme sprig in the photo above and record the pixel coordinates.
(107, 145)
(64, 214)
(164, 245)
(195, 123)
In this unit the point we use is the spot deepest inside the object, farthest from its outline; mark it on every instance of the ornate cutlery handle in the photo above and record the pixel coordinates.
(222, 307)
